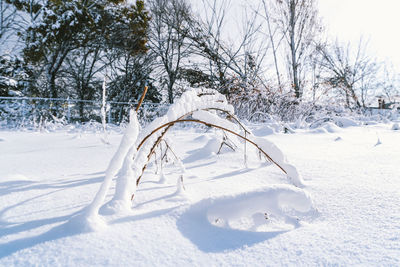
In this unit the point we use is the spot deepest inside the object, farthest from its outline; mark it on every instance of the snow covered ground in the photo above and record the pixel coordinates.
(348, 213)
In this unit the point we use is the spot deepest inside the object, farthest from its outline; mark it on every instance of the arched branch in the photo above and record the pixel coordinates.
(168, 125)
(231, 116)
(190, 113)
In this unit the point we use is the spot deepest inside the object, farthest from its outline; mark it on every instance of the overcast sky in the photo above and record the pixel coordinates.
(377, 21)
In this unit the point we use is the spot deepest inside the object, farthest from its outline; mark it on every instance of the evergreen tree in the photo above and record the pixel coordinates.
(17, 76)
(67, 26)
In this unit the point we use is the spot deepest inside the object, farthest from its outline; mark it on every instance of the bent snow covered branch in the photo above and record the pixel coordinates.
(171, 123)
(136, 149)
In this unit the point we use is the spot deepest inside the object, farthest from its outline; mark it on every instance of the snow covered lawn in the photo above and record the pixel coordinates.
(229, 214)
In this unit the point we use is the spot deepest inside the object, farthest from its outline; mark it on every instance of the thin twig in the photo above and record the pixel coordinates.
(170, 149)
(142, 98)
(169, 124)
(245, 148)
(222, 144)
(225, 141)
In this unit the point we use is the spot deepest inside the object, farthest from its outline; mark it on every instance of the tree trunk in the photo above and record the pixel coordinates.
(51, 79)
(355, 98)
(296, 83)
(274, 49)
(170, 92)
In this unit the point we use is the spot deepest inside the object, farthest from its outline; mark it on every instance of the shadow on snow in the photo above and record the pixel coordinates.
(194, 225)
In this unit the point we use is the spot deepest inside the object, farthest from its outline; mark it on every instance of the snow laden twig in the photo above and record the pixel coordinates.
(227, 142)
(279, 163)
(127, 142)
(201, 111)
(142, 98)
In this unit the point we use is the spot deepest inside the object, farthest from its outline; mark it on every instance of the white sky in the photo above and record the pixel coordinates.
(376, 20)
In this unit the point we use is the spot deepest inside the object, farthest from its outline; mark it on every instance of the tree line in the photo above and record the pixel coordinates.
(277, 58)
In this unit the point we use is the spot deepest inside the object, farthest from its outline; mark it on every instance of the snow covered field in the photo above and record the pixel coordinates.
(348, 213)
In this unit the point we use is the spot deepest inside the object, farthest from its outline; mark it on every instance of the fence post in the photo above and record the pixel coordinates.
(23, 110)
(68, 110)
(109, 112)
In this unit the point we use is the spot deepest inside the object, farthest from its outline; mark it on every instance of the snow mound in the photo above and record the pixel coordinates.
(163, 178)
(378, 142)
(326, 127)
(242, 220)
(272, 208)
(83, 223)
(180, 189)
(17, 179)
(264, 130)
(236, 221)
(330, 127)
(344, 122)
(201, 139)
(319, 130)
(369, 122)
(208, 150)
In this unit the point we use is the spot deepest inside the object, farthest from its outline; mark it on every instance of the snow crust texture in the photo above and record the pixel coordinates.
(207, 205)
(226, 215)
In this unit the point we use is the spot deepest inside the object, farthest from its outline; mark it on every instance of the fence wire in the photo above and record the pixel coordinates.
(26, 111)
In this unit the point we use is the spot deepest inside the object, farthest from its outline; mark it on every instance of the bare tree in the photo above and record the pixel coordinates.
(390, 83)
(272, 31)
(169, 29)
(207, 36)
(228, 64)
(16, 16)
(315, 75)
(298, 21)
(8, 15)
(349, 71)
(81, 67)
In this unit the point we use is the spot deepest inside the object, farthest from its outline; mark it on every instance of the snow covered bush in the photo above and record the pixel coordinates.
(137, 148)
